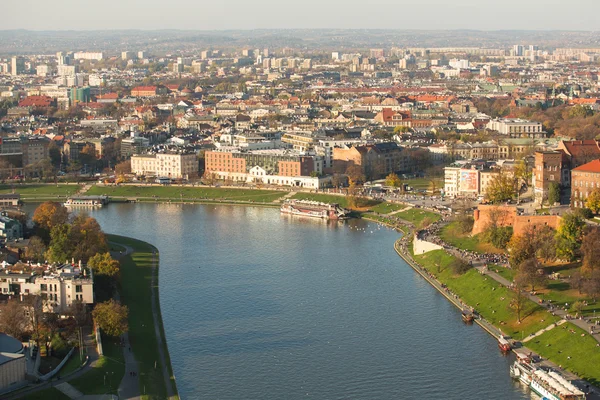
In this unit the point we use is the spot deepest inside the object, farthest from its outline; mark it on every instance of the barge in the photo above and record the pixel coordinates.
(314, 209)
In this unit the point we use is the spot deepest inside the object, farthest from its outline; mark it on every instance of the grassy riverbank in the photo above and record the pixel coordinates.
(187, 193)
(106, 375)
(37, 192)
(136, 292)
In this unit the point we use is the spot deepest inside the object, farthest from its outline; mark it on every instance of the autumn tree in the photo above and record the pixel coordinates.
(591, 285)
(502, 187)
(87, 237)
(355, 175)
(593, 201)
(527, 273)
(523, 172)
(79, 312)
(104, 264)
(123, 168)
(13, 320)
(535, 242)
(50, 214)
(87, 155)
(590, 249)
(463, 211)
(518, 299)
(497, 231)
(36, 250)
(34, 307)
(569, 235)
(393, 180)
(111, 317)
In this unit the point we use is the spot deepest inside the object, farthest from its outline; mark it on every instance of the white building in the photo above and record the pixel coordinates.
(88, 55)
(516, 127)
(168, 165)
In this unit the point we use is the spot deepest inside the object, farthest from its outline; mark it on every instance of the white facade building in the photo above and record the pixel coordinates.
(168, 165)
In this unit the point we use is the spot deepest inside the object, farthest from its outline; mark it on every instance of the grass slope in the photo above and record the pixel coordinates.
(566, 346)
(136, 293)
(51, 393)
(187, 193)
(417, 216)
(38, 191)
(111, 366)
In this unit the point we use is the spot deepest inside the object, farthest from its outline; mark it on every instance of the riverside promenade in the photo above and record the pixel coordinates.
(401, 248)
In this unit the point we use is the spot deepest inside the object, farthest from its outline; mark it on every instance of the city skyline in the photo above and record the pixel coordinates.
(335, 14)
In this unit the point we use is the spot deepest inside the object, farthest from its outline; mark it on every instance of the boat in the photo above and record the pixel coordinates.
(467, 316)
(522, 369)
(314, 209)
(553, 386)
(549, 385)
(504, 344)
(86, 201)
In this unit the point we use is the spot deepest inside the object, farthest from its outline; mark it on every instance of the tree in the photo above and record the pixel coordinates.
(553, 193)
(523, 172)
(355, 174)
(104, 264)
(590, 249)
(54, 154)
(393, 180)
(87, 237)
(61, 246)
(87, 155)
(34, 307)
(462, 209)
(459, 266)
(36, 249)
(501, 188)
(591, 285)
(111, 317)
(401, 129)
(124, 167)
(518, 299)
(569, 235)
(527, 273)
(79, 312)
(536, 241)
(593, 201)
(13, 320)
(50, 214)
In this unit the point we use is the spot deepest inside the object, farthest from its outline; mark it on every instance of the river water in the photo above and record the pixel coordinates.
(258, 305)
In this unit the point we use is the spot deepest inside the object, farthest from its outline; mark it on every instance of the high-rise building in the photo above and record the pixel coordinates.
(127, 55)
(142, 54)
(79, 95)
(17, 66)
(335, 55)
(518, 50)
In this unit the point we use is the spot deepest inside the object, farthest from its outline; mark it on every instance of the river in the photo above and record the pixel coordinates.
(258, 305)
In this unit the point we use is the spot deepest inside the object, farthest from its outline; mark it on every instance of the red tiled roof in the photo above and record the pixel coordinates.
(592, 166)
(36, 101)
(109, 96)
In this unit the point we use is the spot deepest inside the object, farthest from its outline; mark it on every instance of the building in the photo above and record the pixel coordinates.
(376, 160)
(507, 216)
(134, 145)
(58, 285)
(10, 200)
(515, 127)
(17, 65)
(548, 169)
(79, 95)
(165, 165)
(13, 364)
(88, 55)
(147, 91)
(10, 229)
(584, 180)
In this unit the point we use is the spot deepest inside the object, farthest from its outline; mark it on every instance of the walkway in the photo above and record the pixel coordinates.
(130, 384)
(285, 197)
(69, 391)
(399, 211)
(542, 331)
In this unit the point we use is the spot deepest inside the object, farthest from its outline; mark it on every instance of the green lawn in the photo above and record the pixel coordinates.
(72, 364)
(51, 393)
(424, 183)
(567, 341)
(560, 292)
(386, 207)
(452, 235)
(110, 369)
(417, 216)
(506, 273)
(38, 191)
(136, 293)
(487, 296)
(323, 198)
(187, 193)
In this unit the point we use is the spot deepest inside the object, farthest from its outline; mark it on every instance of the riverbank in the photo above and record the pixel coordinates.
(472, 290)
(140, 292)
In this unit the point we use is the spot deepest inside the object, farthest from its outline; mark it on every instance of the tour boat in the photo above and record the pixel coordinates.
(314, 209)
(549, 385)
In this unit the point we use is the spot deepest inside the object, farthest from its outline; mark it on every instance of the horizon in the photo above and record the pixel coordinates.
(479, 15)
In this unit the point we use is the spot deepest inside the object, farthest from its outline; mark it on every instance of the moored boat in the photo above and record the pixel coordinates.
(467, 316)
(504, 344)
(86, 201)
(314, 209)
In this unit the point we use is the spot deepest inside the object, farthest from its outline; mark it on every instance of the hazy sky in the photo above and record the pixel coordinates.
(258, 14)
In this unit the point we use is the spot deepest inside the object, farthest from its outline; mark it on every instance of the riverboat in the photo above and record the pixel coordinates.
(314, 209)
(549, 385)
(467, 316)
(504, 344)
(86, 201)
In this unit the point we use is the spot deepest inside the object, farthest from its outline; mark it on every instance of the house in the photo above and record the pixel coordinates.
(584, 180)
(10, 229)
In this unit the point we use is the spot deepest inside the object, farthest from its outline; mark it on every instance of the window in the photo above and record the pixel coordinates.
(43, 287)
(78, 289)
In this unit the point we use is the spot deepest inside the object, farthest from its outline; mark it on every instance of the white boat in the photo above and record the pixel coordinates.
(549, 385)
(86, 201)
(314, 209)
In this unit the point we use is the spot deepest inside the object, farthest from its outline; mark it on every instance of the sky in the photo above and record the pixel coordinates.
(287, 14)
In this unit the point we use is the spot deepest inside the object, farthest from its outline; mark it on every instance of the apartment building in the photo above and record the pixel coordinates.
(167, 165)
(59, 286)
(515, 127)
(376, 160)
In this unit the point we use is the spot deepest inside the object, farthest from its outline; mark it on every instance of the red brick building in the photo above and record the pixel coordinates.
(584, 180)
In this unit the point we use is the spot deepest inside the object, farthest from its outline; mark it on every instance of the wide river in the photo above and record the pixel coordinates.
(257, 305)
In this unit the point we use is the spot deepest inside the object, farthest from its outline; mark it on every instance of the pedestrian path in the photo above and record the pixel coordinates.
(130, 386)
(541, 331)
(285, 197)
(69, 391)
(399, 211)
